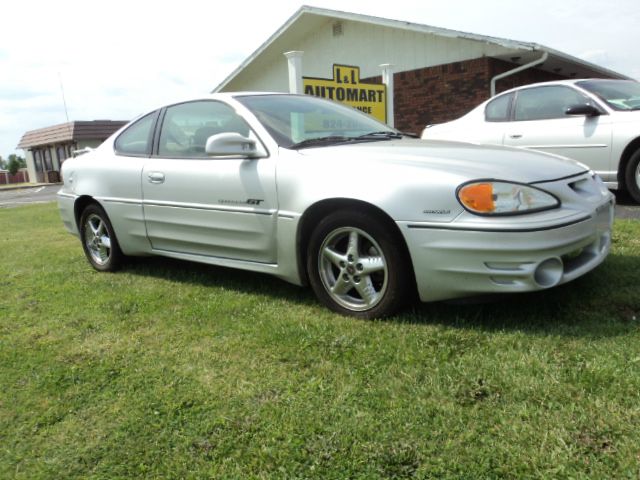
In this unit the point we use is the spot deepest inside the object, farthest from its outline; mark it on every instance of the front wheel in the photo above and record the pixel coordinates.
(357, 266)
(99, 240)
(632, 176)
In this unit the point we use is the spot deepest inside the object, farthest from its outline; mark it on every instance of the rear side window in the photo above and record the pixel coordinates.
(498, 109)
(136, 140)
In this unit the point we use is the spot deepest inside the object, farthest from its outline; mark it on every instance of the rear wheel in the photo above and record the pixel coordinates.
(632, 176)
(358, 266)
(99, 240)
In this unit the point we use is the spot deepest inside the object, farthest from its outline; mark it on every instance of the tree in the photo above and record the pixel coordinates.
(21, 161)
(15, 163)
(3, 163)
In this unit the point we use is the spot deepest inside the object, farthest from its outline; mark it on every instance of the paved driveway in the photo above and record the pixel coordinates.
(24, 196)
(625, 208)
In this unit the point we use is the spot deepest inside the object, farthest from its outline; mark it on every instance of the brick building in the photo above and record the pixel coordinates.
(444, 92)
(438, 74)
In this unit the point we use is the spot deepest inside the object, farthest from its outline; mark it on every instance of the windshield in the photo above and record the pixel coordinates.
(301, 120)
(618, 94)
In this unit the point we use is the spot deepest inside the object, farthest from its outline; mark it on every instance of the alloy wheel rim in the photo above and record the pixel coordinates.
(353, 269)
(97, 240)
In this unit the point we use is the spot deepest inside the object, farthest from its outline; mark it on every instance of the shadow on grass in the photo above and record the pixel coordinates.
(603, 303)
(213, 276)
(623, 198)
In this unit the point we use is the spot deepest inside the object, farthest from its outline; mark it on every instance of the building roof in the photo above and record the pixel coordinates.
(69, 132)
(307, 18)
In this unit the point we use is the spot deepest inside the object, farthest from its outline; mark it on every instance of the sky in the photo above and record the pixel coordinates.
(115, 60)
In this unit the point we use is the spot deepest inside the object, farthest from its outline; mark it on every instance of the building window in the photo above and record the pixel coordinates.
(61, 154)
(37, 159)
(47, 159)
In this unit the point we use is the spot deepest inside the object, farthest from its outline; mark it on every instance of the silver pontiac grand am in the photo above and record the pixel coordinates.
(318, 193)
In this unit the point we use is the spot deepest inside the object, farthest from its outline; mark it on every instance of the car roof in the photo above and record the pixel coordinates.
(570, 81)
(213, 96)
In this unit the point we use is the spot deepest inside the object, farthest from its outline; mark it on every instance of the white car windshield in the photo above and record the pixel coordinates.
(618, 94)
(297, 121)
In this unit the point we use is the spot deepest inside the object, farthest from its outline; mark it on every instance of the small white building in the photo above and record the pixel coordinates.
(47, 148)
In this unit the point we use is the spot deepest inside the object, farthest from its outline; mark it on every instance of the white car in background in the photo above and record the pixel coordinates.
(317, 193)
(596, 122)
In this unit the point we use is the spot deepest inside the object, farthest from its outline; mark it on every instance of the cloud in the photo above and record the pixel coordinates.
(19, 92)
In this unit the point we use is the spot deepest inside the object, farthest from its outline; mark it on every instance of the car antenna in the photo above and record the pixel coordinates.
(64, 101)
(66, 111)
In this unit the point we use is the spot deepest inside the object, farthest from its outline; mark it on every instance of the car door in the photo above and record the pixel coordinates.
(208, 206)
(539, 121)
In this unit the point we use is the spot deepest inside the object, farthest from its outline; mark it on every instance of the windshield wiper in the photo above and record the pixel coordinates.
(333, 139)
(385, 134)
(382, 135)
(410, 135)
(314, 142)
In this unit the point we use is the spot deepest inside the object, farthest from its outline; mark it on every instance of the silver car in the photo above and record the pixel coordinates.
(596, 122)
(317, 193)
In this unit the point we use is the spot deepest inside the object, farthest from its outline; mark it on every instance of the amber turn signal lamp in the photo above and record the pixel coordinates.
(478, 197)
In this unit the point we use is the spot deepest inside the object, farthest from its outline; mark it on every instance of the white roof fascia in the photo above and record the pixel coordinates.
(403, 25)
(385, 22)
(416, 27)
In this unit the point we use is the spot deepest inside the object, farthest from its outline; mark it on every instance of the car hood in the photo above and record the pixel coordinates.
(465, 159)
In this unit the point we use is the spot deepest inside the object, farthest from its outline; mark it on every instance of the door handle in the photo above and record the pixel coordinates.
(156, 177)
(515, 135)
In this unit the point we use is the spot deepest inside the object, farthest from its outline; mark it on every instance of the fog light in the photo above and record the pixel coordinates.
(549, 272)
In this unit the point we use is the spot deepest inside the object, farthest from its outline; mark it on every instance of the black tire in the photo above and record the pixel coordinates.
(99, 240)
(632, 176)
(358, 266)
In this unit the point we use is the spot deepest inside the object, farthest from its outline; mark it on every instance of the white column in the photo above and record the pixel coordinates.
(294, 59)
(387, 79)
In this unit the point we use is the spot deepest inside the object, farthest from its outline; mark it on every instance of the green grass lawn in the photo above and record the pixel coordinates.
(176, 370)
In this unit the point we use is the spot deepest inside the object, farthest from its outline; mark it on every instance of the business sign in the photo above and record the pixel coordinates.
(346, 87)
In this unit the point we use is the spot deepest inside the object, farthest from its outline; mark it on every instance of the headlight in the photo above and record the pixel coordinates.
(494, 197)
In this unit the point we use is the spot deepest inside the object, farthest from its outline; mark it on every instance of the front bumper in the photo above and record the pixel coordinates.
(450, 262)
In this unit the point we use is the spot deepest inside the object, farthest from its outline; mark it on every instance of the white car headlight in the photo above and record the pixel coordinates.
(495, 197)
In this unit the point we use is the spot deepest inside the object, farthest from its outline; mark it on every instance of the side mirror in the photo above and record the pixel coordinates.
(585, 109)
(232, 144)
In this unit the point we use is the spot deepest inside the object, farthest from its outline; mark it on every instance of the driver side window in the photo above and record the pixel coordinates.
(546, 102)
(187, 126)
